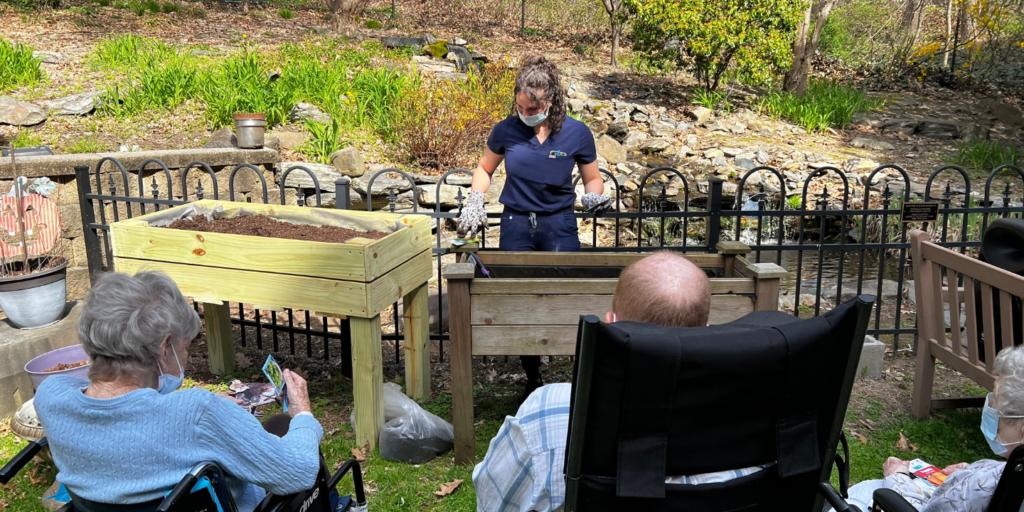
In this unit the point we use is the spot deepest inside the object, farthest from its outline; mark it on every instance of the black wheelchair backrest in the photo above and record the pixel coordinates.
(1009, 494)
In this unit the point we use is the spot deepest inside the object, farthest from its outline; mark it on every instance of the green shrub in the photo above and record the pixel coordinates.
(372, 24)
(138, 8)
(127, 51)
(377, 92)
(714, 100)
(286, 14)
(987, 155)
(102, 3)
(85, 145)
(169, 7)
(323, 140)
(17, 66)
(241, 84)
(26, 139)
(707, 36)
(120, 5)
(826, 104)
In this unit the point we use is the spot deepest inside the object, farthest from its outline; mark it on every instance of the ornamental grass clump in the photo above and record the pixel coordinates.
(17, 66)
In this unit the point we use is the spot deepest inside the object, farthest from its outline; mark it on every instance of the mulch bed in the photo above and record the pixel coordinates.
(259, 225)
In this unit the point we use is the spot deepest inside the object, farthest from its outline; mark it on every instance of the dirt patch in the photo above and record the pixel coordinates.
(258, 225)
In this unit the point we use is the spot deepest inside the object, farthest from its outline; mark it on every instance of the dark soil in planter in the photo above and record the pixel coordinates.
(16, 265)
(258, 225)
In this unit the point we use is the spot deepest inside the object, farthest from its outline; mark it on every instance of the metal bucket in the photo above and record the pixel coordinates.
(249, 129)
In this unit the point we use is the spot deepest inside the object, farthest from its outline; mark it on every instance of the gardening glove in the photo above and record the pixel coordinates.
(473, 216)
(596, 203)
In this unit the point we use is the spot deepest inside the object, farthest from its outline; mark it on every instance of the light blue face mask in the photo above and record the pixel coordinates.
(990, 427)
(168, 382)
(533, 120)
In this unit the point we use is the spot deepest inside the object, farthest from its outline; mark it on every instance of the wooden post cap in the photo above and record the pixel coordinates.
(732, 247)
(460, 271)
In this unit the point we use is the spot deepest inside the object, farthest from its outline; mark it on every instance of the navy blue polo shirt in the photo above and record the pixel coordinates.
(539, 176)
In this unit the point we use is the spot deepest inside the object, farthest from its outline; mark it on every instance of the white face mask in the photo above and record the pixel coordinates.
(535, 119)
(168, 382)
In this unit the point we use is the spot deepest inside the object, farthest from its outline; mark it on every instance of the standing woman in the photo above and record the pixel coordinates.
(540, 145)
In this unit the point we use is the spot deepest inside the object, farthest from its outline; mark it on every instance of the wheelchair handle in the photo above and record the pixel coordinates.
(183, 488)
(357, 479)
(14, 466)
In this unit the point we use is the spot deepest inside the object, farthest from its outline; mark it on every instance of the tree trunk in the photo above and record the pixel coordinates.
(949, 33)
(912, 19)
(615, 41)
(804, 47)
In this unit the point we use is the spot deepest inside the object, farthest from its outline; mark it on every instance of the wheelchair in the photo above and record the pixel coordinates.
(203, 490)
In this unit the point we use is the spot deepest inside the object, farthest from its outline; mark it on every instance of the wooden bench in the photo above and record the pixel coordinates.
(532, 303)
(964, 351)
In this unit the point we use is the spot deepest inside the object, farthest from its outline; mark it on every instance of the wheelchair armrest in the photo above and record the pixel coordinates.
(18, 462)
(185, 485)
(357, 479)
(888, 500)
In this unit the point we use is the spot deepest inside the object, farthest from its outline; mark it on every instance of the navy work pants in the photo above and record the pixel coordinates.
(553, 232)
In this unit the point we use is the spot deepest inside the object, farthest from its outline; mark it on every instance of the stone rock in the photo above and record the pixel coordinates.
(691, 140)
(889, 290)
(716, 126)
(864, 142)
(744, 163)
(272, 142)
(399, 42)
(577, 105)
(1004, 112)
(49, 57)
(732, 152)
(291, 140)
(222, 138)
(325, 175)
(381, 185)
(662, 129)
(908, 102)
(75, 105)
(429, 38)
(611, 150)
(683, 126)
(20, 113)
(460, 55)
(303, 111)
(931, 128)
(640, 117)
(618, 130)
(700, 115)
(128, 148)
(349, 162)
(403, 201)
(479, 56)
(872, 358)
(655, 146)
(459, 41)
(719, 161)
(634, 138)
(427, 195)
(713, 153)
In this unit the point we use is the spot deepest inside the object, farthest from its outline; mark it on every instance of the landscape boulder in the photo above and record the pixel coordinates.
(325, 175)
(303, 111)
(222, 138)
(349, 161)
(662, 129)
(700, 115)
(609, 149)
(865, 142)
(20, 113)
(80, 104)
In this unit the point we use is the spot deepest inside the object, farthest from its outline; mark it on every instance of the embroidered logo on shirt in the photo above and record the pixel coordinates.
(556, 153)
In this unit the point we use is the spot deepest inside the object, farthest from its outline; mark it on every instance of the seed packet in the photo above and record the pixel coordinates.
(459, 242)
(273, 372)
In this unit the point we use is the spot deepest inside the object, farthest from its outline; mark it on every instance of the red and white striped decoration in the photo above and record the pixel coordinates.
(42, 225)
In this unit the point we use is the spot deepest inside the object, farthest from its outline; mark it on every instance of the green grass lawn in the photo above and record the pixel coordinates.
(949, 437)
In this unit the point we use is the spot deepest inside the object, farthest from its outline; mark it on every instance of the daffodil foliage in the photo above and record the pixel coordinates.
(706, 36)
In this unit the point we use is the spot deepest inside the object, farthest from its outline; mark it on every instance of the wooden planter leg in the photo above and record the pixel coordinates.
(219, 339)
(417, 343)
(462, 371)
(367, 379)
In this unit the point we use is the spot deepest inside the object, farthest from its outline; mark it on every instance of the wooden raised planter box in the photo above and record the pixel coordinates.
(532, 303)
(356, 280)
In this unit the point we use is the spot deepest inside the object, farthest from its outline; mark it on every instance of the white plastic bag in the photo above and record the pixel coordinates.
(411, 434)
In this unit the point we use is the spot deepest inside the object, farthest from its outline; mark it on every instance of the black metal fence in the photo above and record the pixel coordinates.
(840, 234)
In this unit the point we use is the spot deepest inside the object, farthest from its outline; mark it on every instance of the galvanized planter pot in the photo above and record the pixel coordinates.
(35, 300)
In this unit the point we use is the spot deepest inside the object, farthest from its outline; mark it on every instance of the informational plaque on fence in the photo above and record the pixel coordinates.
(920, 212)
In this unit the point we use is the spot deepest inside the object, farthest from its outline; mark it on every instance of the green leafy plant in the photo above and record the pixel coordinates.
(17, 66)
(169, 7)
(825, 104)
(709, 36)
(712, 99)
(120, 5)
(286, 14)
(377, 93)
(159, 85)
(85, 145)
(986, 154)
(152, 6)
(129, 51)
(26, 139)
(793, 202)
(102, 3)
(372, 24)
(242, 84)
(323, 140)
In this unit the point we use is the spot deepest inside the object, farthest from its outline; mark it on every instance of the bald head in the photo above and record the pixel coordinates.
(663, 289)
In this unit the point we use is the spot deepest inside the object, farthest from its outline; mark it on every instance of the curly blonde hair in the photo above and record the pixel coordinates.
(540, 79)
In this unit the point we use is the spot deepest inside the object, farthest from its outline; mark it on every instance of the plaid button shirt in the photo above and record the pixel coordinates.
(522, 471)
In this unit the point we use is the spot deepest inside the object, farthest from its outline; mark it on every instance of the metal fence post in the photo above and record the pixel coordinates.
(93, 254)
(343, 201)
(342, 194)
(714, 230)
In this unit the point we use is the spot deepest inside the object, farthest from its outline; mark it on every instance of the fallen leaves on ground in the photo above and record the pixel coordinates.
(358, 454)
(861, 437)
(903, 444)
(870, 425)
(34, 477)
(3, 504)
(449, 487)
(242, 360)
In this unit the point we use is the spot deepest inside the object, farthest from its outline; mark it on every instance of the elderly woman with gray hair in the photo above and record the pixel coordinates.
(123, 437)
(969, 487)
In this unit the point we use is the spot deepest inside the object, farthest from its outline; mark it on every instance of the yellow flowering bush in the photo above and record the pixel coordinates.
(444, 124)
